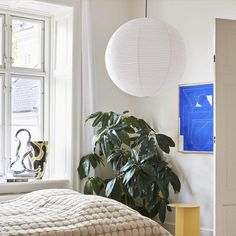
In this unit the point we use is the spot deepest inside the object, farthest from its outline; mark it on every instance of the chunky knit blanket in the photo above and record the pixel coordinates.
(63, 212)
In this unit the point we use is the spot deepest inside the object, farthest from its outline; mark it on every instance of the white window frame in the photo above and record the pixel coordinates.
(42, 63)
(2, 134)
(9, 71)
(3, 40)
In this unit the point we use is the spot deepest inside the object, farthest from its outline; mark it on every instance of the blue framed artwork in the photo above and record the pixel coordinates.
(196, 106)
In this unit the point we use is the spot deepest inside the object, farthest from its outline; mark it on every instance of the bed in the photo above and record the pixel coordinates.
(64, 212)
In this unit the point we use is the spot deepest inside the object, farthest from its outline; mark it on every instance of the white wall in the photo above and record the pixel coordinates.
(106, 17)
(195, 21)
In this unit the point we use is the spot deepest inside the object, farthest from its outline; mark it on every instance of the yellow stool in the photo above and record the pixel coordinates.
(187, 219)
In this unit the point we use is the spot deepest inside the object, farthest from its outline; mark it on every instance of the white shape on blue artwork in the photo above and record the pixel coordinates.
(196, 117)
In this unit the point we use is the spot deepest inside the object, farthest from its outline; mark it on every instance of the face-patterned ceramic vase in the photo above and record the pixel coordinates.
(39, 151)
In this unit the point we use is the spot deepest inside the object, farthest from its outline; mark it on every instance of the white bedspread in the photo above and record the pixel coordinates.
(63, 212)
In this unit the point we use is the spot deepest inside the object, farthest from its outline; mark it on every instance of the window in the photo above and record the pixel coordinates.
(27, 43)
(36, 84)
(24, 81)
(26, 107)
(1, 39)
(1, 123)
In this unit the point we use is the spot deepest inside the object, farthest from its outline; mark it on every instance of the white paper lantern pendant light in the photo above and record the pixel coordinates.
(144, 56)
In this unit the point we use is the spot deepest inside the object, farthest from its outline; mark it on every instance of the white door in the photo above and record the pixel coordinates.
(225, 128)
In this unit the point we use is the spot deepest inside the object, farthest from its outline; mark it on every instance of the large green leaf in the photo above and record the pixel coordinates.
(118, 119)
(105, 119)
(154, 196)
(98, 137)
(113, 117)
(144, 181)
(134, 155)
(124, 137)
(94, 142)
(162, 211)
(119, 127)
(128, 175)
(163, 186)
(114, 156)
(97, 120)
(81, 172)
(99, 159)
(174, 180)
(129, 130)
(153, 202)
(127, 166)
(85, 163)
(93, 160)
(93, 115)
(148, 169)
(117, 190)
(161, 165)
(142, 139)
(97, 184)
(133, 121)
(110, 186)
(88, 188)
(144, 125)
(155, 209)
(144, 131)
(164, 142)
(147, 157)
(84, 167)
(105, 146)
(133, 190)
(113, 138)
(168, 140)
(120, 162)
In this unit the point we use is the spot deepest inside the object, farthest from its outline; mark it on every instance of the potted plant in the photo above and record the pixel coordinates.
(142, 176)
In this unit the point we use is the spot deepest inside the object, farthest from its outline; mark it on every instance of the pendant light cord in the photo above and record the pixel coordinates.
(146, 8)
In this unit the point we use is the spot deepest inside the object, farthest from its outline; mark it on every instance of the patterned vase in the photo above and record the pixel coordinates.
(39, 151)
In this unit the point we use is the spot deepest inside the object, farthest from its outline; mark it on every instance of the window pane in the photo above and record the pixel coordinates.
(1, 126)
(26, 111)
(1, 39)
(27, 43)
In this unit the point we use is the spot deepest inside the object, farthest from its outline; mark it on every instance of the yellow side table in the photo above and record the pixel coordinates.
(187, 219)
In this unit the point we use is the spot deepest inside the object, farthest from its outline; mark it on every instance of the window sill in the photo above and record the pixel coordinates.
(24, 187)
